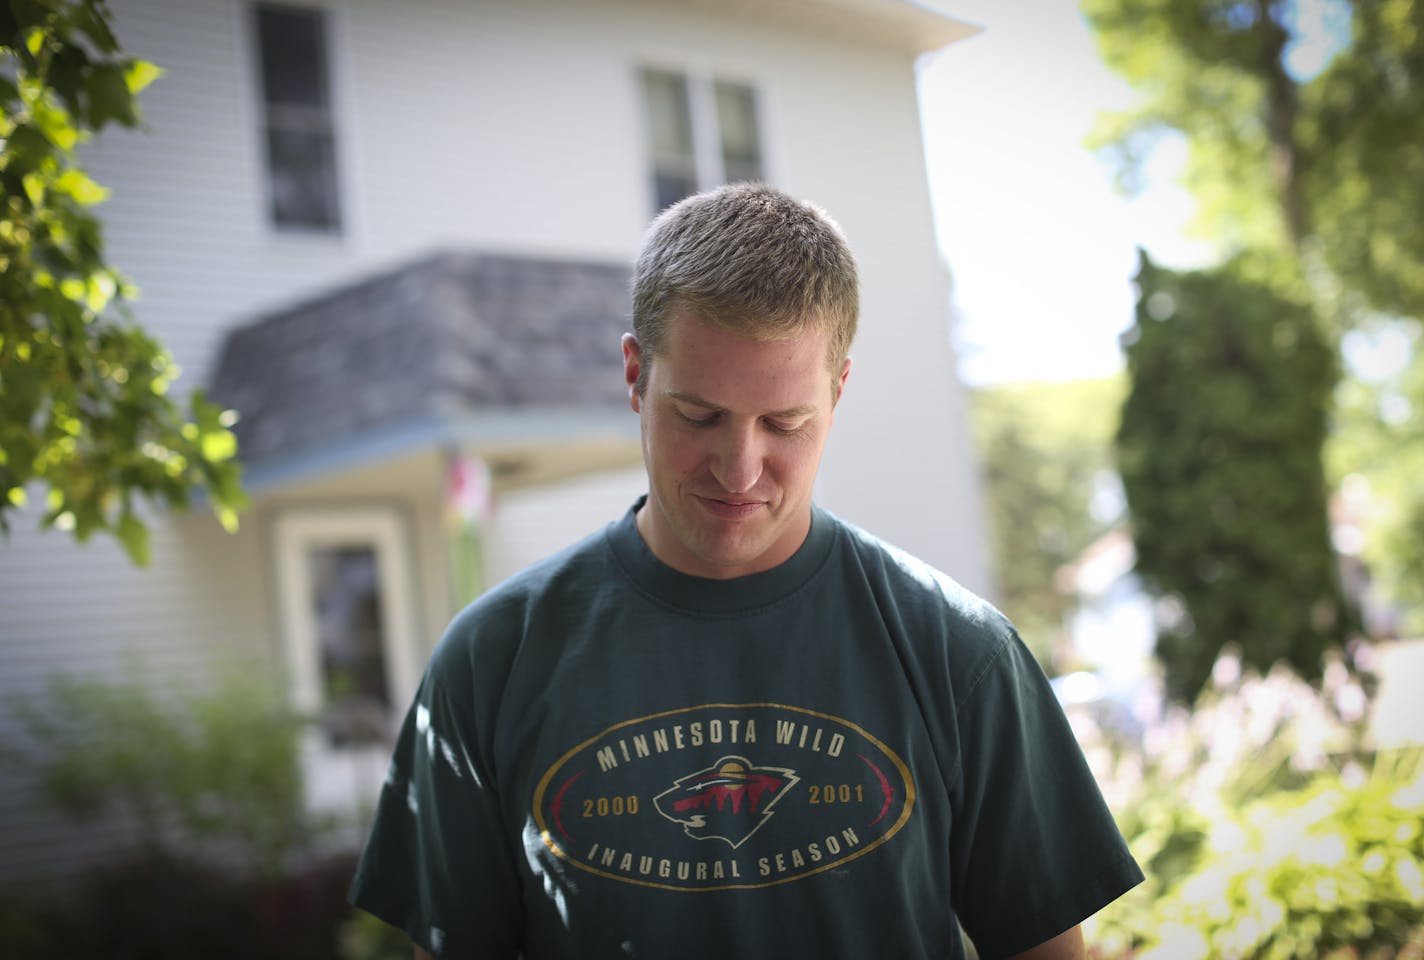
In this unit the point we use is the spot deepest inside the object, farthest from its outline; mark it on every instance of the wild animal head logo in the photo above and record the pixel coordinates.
(727, 801)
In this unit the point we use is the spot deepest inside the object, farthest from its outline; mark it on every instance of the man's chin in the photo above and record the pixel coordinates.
(726, 557)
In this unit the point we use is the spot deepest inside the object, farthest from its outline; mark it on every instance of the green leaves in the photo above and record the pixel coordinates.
(92, 20)
(1328, 870)
(26, 149)
(109, 98)
(1269, 825)
(85, 410)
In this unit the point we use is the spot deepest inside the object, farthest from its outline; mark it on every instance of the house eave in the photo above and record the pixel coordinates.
(523, 445)
(921, 26)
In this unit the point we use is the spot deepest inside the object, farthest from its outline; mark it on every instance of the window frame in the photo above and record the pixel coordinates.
(291, 118)
(709, 168)
(382, 528)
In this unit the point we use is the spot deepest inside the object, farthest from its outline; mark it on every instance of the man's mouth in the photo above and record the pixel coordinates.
(730, 508)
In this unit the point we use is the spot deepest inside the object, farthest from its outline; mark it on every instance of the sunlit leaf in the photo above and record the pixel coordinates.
(73, 288)
(55, 125)
(228, 518)
(35, 187)
(101, 292)
(140, 74)
(78, 185)
(219, 445)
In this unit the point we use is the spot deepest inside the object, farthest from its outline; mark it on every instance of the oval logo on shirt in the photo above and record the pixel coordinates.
(723, 796)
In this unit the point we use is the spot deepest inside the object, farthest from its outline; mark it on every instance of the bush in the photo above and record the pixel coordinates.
(1219, 449)
(210, 770)
(1268, 829)
(228, 862)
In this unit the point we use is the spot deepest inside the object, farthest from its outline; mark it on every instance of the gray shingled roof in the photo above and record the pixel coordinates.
(453, 334)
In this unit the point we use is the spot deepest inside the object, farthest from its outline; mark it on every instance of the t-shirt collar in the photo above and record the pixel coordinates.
(701, 595)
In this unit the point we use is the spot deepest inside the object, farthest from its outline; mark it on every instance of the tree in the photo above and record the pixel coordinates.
(1362, 120)
(1046, 450)
(84, 407)
(1314, 165)
(1220, 454)
(1287, 154)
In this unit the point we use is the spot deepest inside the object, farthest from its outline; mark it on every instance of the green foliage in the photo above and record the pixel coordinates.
(231, 862)
(1376, 452)
(1205, 68)
(1045, 448)
(84, 406)
(198, 771)
(1220, 455)
(1268, 830)
(1320, 173)
(1363, 121)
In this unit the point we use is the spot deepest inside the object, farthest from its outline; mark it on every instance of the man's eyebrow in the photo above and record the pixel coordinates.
(805, 410)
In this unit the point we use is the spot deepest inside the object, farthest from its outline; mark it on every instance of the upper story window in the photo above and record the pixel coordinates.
(702, 132)
(297, 117)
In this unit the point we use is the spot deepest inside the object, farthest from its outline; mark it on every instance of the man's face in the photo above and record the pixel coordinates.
(733, 430)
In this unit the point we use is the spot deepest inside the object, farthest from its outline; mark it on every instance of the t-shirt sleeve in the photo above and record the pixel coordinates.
(438, 862)
(1035, 847)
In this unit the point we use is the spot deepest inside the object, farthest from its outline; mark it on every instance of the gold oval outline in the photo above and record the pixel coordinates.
(559, 852)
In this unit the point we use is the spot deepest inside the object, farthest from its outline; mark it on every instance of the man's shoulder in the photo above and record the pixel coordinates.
(912, 578)
(948, 637)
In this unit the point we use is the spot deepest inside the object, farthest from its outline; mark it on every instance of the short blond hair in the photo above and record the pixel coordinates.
(750, 259)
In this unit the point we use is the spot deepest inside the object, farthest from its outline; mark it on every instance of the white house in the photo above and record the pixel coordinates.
(395, 237)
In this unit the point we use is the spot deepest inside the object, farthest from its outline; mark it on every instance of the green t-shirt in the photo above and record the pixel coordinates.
(834, 758)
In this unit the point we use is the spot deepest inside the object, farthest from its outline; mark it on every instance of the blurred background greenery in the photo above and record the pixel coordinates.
(1268, 436)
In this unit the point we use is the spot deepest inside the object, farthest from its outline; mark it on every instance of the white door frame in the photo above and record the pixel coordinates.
(334, 772)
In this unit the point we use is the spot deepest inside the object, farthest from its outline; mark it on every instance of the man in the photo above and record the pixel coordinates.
(730, 724)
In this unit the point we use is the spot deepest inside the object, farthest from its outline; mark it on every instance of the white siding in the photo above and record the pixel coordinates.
(531, 524)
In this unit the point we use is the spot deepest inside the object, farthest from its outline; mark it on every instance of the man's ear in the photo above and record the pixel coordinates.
(632, 367)
(840, 382)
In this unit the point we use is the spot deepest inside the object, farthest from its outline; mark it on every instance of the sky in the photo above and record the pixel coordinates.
(1041, 248)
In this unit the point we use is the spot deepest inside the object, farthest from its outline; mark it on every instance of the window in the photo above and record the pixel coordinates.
(297, 118)
(737, 126)
(701, 131)
(346, 596)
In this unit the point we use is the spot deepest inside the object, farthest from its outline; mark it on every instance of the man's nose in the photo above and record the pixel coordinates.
(737, 465)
